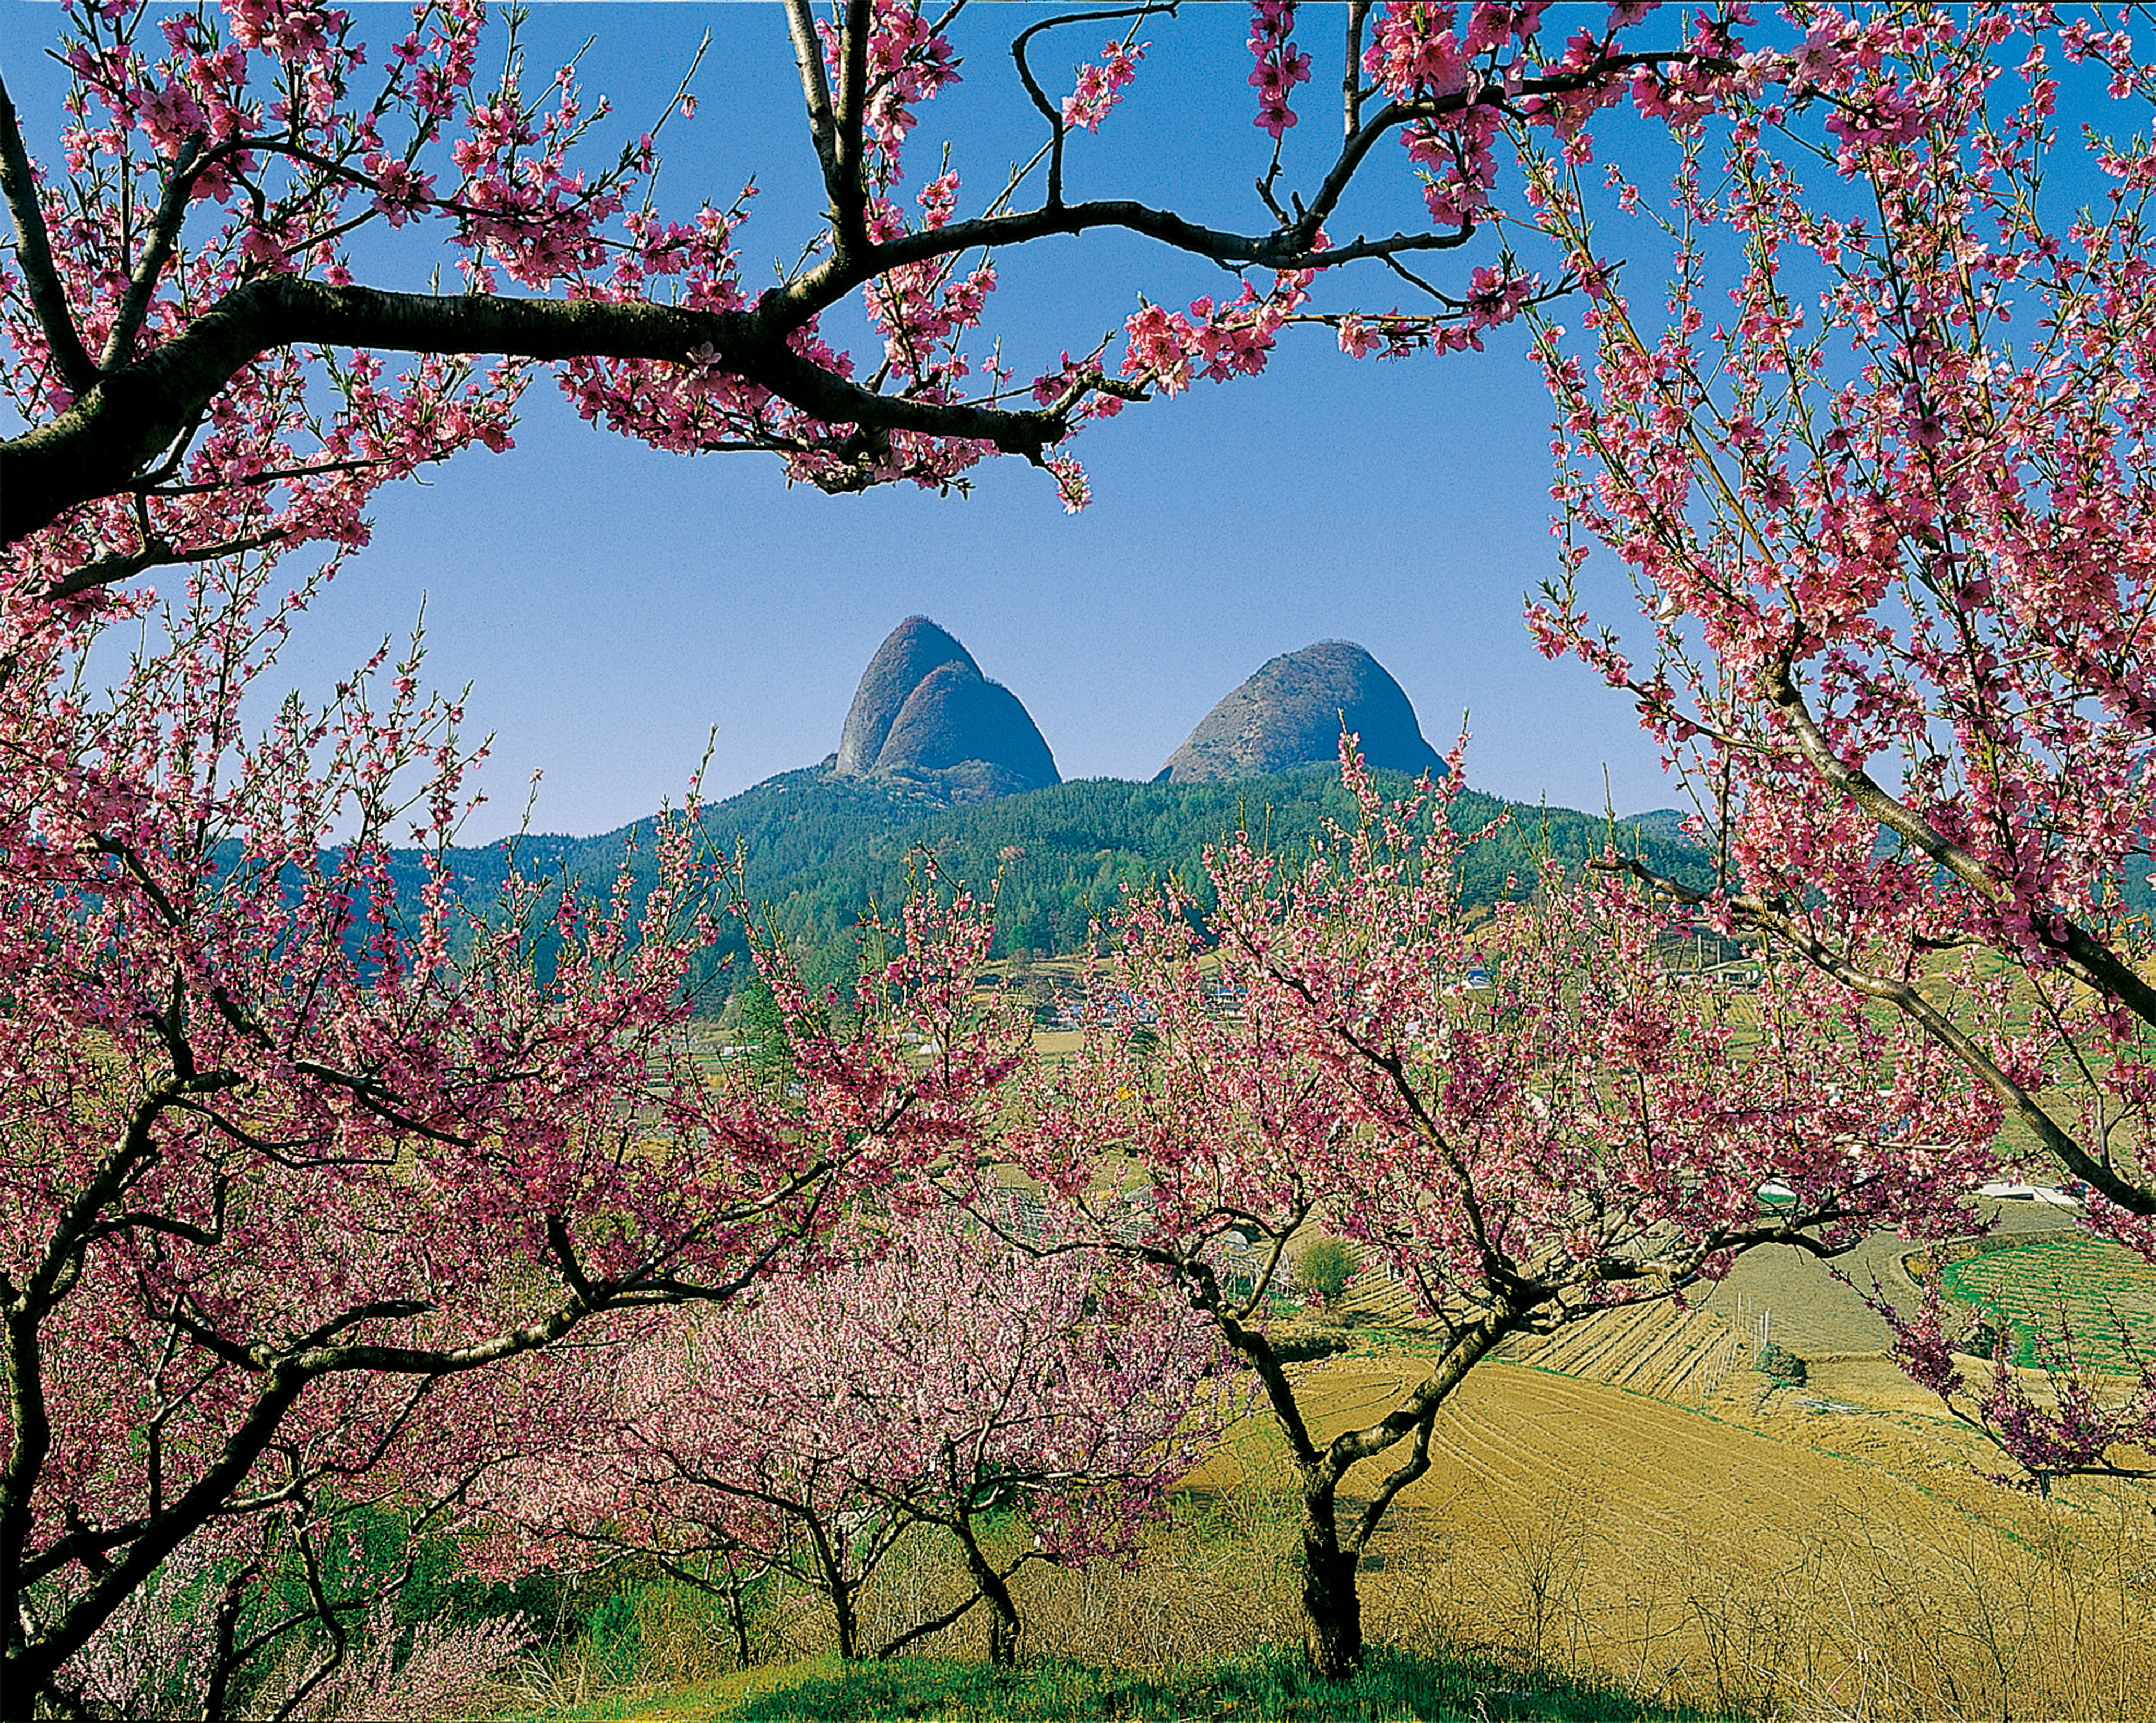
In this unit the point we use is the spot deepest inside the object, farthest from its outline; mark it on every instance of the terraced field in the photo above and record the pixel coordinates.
(1629, 1495)
(2093, 1284)
(1653, 1348)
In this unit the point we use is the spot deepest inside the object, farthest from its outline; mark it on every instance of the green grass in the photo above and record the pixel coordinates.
(1262, 1687)
(2085, 1278)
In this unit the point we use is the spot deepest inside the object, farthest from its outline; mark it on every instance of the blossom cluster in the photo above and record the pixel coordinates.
(1100, 88)
(1280, 65)
(1216, 340)
(905, 61)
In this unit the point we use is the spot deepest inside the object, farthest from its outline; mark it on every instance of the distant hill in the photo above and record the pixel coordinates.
(1665, 823)
(819, 848)
(1290, 711)
(935, 757)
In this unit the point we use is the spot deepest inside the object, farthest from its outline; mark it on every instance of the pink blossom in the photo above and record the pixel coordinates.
(1280, 65)
(1100, 88)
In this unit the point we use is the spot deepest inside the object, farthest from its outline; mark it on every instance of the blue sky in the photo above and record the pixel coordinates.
(611, 605)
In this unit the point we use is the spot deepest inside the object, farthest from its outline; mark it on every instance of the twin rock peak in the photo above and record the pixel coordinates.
(925, 713)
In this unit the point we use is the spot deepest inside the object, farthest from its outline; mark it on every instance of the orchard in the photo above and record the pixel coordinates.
(320, 1195)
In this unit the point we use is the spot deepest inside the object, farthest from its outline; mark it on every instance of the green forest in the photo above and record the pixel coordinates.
(818, 851)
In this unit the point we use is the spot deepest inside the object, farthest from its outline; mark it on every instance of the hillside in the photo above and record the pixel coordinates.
(819, 848)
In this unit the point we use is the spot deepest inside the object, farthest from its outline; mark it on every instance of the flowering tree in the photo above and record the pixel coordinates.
(1881, 480)
(288, 1158)
(1523, 1117)
(171, 1651)
(928, 1376)
(197, 360)
(2076, 1434)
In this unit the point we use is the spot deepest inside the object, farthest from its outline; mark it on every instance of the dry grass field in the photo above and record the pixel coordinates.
(1824, 1552)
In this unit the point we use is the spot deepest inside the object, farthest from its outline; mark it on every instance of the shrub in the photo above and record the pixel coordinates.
(1783, 1365)
(1325, 1266)
(1300, 1344)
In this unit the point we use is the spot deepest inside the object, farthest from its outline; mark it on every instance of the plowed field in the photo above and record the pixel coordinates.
(1769, 1551)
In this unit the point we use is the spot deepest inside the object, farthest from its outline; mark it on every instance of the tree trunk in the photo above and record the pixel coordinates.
(1331, 1609)
(849, 1626)
(1003, 1624)
(738, 1607)
(837, 1587)
(1332, 1612)
(1003, 1630)
(224, 1666)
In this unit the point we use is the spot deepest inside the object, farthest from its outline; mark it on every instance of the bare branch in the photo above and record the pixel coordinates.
(1049, 110)
(1351, 73)
(815, 87)
(846, 182)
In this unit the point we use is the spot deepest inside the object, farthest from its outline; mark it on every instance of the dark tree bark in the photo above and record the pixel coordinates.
(1332, 1608)
(840, 1587)
(1003, 1624)
(129, 410)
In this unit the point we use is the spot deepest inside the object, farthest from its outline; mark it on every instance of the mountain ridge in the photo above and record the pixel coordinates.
(820, 851)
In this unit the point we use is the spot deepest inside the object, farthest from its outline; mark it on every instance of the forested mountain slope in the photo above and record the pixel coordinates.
(818, 848)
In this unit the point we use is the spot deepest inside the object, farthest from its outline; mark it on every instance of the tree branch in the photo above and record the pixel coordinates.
(1468, 1349)
(100, 444)
(1910, 1000)
(1350, 76)
(1057, 130)
(1416, 1463)
(849, 193)
(33, 246)
(164, 235)
(37, 1664)
(815, 88)
(156, 553)
(2095, 964)
(1048, 109)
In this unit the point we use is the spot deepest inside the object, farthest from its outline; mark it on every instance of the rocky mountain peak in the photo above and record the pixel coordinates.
(924, 709)
(1290, 713)
(909, 653)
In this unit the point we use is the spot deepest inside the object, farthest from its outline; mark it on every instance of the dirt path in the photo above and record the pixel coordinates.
(1813, 1315)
